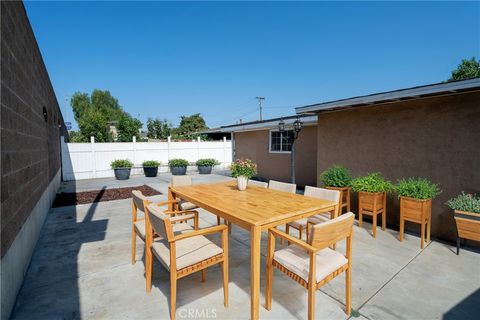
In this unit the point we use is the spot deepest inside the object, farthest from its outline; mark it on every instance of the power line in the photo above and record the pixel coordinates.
(260, 100)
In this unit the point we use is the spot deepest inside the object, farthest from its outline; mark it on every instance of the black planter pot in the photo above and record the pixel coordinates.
(205, 169)
(122, 173)
(178, 171)
(150, 171)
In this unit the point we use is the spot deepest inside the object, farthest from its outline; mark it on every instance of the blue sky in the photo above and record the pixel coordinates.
(165, 59)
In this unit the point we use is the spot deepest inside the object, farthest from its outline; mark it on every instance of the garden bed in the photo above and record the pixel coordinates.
(74, 198)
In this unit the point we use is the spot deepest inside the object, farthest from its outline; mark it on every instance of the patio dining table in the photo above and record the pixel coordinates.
(255, 209)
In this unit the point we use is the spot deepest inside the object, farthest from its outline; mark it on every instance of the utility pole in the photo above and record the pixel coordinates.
(260, 100)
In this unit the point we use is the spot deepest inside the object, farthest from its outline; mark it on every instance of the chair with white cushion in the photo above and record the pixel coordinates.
(178, 181)
(319, 193)
(183, 254)
(257, 183)
(139, 203)
(313, 264)
(282, 186)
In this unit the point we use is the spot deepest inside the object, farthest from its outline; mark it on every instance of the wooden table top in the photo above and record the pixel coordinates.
(255, 206)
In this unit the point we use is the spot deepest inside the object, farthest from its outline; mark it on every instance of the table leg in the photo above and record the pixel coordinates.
(255, 238)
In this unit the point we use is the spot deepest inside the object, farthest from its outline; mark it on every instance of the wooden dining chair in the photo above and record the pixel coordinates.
(178, 181)
(282, 186)
(139, 204)
(319, 193)
(183, 254)
(257, 183)
(313, 264)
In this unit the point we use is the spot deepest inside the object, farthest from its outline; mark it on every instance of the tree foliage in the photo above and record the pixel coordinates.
(94, 113)
(467, 69)
(189, 126)
(158, 129)
(128, 127)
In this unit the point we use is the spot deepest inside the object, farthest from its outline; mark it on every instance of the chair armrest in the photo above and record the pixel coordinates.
(293, 240)
(162, 203)
(201, 232)
(181, 212)
(181, 218)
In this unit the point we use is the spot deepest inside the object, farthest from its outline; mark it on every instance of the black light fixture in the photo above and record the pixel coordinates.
(281, 125)
(297, 125)
(45, 115)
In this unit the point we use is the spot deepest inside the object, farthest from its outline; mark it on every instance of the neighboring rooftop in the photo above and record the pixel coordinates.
(431, 90)
(265, 124)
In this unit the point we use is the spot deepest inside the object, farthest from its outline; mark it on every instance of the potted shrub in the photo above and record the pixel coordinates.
(243, 169)
(416, 196)
(150, 168)
(372, 198)
(338, 178)
(178, 167)
(467, 216)
(205, 165)
(122, 168)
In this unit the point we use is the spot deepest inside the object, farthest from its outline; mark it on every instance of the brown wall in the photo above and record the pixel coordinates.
(30, 146)
(436, 138)
(276, 166)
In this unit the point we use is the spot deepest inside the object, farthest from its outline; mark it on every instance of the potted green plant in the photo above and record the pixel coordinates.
(243, 169)
(416, 196)
(150, 168)
(205, 165)
(338, 178)
(467, 216)
(122, 168)
(372, 198)
(178, 167)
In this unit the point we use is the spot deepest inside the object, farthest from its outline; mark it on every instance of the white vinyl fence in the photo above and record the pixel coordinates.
(92, 160)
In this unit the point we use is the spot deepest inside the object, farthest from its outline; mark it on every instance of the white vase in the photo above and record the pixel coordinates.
(242, 182)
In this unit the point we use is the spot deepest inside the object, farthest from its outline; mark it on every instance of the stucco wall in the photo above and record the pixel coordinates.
(30, 147)
(435, 138)
(254, 145)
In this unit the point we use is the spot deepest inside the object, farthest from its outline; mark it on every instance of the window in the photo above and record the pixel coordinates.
(281, 141)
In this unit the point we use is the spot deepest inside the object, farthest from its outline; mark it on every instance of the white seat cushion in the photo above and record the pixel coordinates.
(299, 223)
(178, 227)
(297, 261)
(185, 205)
(189, 251)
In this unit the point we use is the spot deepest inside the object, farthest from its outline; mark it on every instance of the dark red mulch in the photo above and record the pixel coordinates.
(73, 198)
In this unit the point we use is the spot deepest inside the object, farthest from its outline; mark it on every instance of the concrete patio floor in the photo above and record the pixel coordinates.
(81, 269)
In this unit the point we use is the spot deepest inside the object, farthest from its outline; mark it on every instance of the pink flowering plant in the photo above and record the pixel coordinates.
(243, 167)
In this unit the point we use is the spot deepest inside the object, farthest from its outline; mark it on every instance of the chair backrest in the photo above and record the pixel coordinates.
(138, 200)
(282, 186)
(322, 193)
(178, 181)
(257, 183)
(330, 232)
(159, 221)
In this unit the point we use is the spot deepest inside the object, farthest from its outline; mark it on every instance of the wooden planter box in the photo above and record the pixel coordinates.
(344, 196)
(372, 204)
(468, 226)
(418, 211)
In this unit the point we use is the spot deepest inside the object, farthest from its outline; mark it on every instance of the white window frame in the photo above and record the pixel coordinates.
(270, 142)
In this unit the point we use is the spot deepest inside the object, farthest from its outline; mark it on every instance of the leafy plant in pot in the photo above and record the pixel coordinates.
(150, 168)
(122, 168)
(372, 198)
(178, 167)
(205, 165)
(338, 178)
(467, 216)
(416, 196)
(243, 169)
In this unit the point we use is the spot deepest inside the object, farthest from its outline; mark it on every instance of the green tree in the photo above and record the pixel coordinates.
(94, 123)
(94, 113)
(189, 126)
(76, 136)
(467, 69)
(128, 127)
(158, 129)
